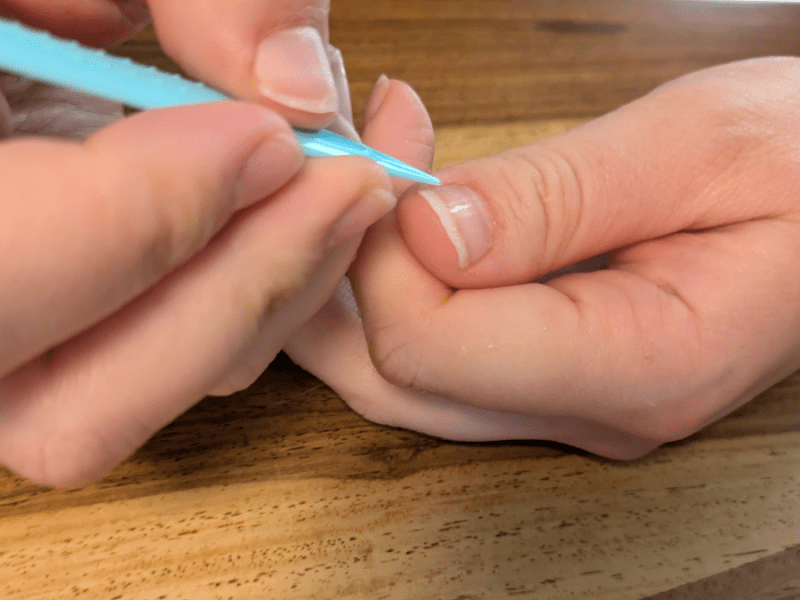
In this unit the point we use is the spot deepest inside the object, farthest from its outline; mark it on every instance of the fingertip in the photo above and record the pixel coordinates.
(292, 69)
(376, 99)
(453, 231)
(491, 228)
(398, 124)
(425, 235)
(270, 54)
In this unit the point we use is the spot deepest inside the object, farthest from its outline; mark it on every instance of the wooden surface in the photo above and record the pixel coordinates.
(282, 492)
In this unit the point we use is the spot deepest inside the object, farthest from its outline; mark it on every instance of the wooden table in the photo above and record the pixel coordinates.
(282, 492)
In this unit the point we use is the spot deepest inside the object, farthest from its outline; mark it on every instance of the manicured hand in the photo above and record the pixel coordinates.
(479, 331)
(168, 256)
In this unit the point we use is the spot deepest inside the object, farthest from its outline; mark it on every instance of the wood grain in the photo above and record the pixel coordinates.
(287, 494)
(282, 492)
(775, 577)
(514, 60)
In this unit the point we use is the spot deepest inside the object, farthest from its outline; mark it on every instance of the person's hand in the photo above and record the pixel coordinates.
(166, 257)
(693, 192)
(271, 52)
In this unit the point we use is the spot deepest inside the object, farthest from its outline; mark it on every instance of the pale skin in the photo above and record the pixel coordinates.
(198, 280)
(693, 192)
(171, 254)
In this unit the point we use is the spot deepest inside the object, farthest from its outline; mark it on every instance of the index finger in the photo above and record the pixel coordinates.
(681, 329)
(88, 227)
(272, 52)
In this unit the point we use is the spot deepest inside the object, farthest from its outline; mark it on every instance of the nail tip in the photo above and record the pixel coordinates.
(293, 70)
(323, 106)
(464, 218)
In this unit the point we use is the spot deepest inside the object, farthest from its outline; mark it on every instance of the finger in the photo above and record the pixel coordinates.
(397, 121)
(122, 210)
(332, 346)
(658, 349)
(256, 356)
(612, 347)
(274, 53)
(95, 22)
(681, 158)
(71, 415)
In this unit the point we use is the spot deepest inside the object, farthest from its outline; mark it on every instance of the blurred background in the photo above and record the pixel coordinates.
(543, 65)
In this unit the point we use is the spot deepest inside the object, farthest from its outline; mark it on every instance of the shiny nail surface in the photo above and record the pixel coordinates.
(465, 220)
(293, 69)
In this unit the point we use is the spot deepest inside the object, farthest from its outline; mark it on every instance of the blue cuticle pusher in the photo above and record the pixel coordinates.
(44, 57)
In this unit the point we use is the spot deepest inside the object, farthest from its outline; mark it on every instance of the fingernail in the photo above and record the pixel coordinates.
(135, 11)
(377, 98)
(465, 220)
(367, 210)
(270, 166)
(293, 69)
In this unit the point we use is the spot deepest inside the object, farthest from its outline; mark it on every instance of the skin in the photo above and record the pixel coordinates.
(158, 247)
(217, 42)
(173, 258)
(691, 193)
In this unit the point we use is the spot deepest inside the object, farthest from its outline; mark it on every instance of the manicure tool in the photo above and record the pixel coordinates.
(39, 55)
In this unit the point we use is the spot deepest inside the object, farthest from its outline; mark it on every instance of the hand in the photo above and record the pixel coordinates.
(168, 256)
(692, 194)
(271, 52)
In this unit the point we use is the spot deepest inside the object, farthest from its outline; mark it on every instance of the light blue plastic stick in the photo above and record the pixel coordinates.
(44, 57)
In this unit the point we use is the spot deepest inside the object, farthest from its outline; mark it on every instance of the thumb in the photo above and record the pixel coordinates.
(682, 158)
(274, 52)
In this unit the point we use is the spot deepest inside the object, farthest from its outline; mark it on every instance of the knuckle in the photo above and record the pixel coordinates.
(560, 191)
(270, 303)
(744, 85)
(173, 231)
(537, 196)
(545, 199)
(396, 354)
(287, 283)
(162, 220)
